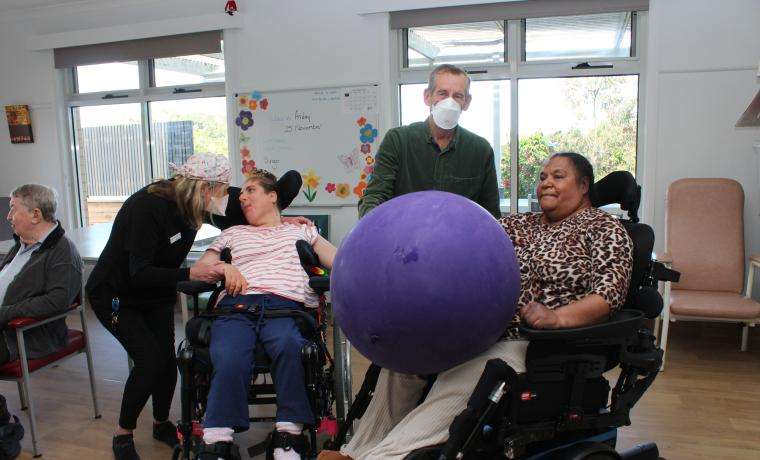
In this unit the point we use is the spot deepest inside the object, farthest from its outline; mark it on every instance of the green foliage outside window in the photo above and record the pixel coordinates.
(608, 141)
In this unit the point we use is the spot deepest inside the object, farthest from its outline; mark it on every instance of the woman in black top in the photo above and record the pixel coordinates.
(132, 288)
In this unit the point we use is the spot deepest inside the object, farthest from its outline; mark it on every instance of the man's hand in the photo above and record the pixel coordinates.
(297, 220)
(234, 281)
(537, 316)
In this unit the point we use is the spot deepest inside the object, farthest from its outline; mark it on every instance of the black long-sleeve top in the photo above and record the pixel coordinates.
(141, 261)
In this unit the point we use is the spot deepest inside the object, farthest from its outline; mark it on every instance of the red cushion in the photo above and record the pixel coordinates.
(13, 368)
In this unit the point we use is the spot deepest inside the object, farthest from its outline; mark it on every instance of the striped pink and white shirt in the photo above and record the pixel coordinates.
(267, 258)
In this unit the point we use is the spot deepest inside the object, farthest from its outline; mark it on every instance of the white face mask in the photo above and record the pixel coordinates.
(218, 206)
(446, 113)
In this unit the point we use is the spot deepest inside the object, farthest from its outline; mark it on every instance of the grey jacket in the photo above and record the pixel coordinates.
(46, 285)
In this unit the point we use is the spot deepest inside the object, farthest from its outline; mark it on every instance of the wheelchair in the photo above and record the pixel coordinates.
(563, 407)
(195, 366)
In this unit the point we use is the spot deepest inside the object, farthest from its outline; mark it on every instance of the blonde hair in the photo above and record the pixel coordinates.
(187, 193)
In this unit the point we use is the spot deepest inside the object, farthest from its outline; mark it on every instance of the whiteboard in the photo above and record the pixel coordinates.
(329, 135)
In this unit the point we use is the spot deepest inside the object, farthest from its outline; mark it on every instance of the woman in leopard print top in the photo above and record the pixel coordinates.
(575, 260)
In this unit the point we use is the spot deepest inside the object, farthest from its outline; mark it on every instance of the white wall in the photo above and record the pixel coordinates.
(27, 78)
(310, 44)
(699, 80)
(288, 44)
(701, 76)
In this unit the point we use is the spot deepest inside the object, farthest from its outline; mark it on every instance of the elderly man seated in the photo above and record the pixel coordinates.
(40, 276)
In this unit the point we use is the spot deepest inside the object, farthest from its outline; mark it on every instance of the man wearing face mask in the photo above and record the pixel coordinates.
(436, 154)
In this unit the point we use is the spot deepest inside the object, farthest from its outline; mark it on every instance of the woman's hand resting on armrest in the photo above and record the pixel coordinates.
(592, 309)
(538, 316)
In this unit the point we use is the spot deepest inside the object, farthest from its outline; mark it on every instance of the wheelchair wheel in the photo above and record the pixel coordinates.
(342, 378)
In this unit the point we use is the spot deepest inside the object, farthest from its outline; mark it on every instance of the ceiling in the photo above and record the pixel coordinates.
(26, 5)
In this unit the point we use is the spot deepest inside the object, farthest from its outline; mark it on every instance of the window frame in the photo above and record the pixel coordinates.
(143, 95)
(516, 68)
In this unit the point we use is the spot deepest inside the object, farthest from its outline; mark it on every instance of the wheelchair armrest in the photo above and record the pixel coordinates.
(320, 284)
(622, 324)
(194, 287)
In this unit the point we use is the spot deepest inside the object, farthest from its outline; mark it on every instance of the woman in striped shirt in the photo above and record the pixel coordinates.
(265, 272)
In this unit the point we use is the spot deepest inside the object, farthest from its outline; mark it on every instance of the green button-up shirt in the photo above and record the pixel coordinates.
(409, 160)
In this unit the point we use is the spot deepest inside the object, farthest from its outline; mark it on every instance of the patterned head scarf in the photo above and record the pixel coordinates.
(205, 166)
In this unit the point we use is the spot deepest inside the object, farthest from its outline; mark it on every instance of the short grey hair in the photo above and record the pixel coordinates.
(36, 196)
(446, 68)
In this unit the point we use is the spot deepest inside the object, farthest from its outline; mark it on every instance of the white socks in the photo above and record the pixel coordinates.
(287, 427)
(212, 435)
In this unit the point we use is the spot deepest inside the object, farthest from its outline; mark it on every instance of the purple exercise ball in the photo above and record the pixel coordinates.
(424, 282)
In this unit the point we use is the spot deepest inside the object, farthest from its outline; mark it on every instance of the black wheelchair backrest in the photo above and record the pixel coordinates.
(620, 187)
(642, 294)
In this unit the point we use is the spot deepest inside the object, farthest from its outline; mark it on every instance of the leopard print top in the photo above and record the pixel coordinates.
(587, 253)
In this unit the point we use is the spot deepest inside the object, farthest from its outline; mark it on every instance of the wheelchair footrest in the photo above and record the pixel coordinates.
(262, 388)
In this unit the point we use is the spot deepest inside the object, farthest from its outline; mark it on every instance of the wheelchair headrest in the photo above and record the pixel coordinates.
(288, 186)
(618, 187)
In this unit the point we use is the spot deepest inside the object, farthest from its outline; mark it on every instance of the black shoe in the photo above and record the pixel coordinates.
(124, 447)
(166, 432)
(219, 451)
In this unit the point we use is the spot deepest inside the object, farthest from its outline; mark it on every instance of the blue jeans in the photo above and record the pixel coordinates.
(233, 342)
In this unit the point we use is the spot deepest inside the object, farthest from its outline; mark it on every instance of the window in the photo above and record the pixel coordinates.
(107, 77)
(595, 116)
(473, 43)
(189, 70)
(573, 37)
(186, 125)
(129, 120)
(576, 82)
(109, 153)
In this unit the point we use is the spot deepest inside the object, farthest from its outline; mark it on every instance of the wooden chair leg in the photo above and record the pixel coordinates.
(745, 336)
